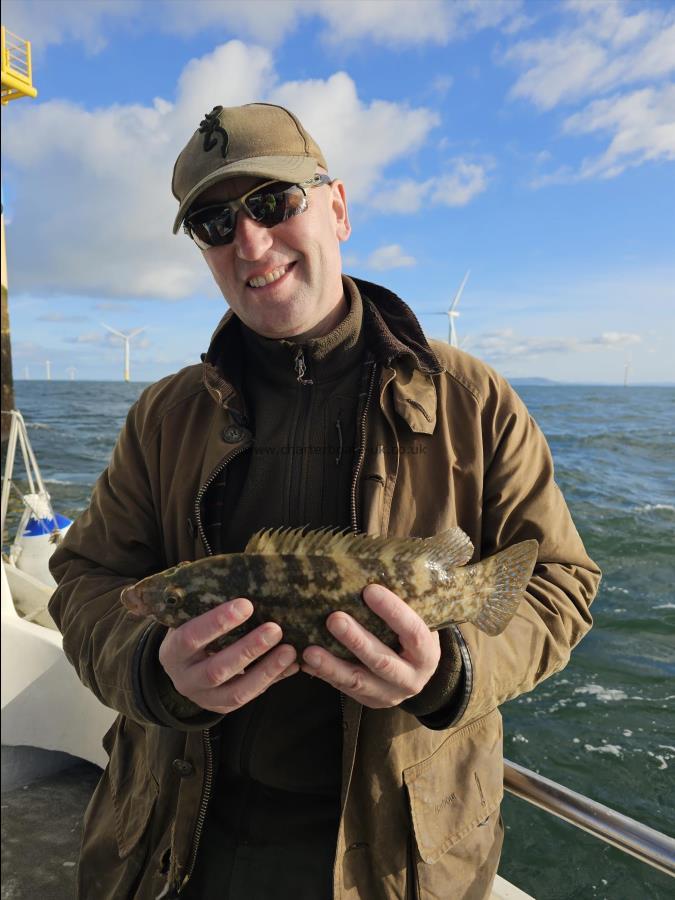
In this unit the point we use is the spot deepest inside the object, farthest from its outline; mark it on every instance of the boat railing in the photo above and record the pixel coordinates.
(647, 844)
(18, 437)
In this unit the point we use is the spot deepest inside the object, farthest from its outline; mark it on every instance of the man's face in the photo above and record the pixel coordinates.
(305, 299)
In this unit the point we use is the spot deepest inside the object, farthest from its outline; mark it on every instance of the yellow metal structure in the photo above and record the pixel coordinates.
(17, 75)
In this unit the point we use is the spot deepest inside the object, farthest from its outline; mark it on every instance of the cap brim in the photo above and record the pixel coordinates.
(285, 168)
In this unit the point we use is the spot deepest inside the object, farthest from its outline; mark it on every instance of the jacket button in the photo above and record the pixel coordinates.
(182, 767)
(233, 434)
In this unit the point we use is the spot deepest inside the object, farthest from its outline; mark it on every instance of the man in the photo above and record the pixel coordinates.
(253, 772)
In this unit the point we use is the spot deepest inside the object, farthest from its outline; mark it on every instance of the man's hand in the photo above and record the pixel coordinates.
(221, 682)
(386, 678)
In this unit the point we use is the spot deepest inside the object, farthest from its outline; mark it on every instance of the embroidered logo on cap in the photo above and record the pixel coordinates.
(209, 125)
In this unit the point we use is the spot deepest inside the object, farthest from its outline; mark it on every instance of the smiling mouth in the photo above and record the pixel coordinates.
(270, 277)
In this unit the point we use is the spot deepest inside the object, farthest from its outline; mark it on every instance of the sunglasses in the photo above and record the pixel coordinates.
(268, 204)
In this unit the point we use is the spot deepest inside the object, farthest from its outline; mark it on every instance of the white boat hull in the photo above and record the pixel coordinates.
(43, 703)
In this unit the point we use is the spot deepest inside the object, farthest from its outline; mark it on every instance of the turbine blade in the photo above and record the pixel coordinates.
(459, 292)
(114, 331)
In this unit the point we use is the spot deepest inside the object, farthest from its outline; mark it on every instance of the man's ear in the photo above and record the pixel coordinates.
(339, 203)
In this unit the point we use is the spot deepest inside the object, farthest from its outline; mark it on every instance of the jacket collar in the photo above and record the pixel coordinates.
(391, 329)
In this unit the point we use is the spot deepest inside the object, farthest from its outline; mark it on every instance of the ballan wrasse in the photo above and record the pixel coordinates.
(296, 578)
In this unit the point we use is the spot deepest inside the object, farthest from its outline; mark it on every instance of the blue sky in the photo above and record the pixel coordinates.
(531, 143)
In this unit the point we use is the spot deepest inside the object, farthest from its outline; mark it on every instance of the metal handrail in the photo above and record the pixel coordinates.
(647, 844)
(17, 69)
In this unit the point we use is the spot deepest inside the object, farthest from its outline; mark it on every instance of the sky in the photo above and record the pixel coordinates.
(529, 143)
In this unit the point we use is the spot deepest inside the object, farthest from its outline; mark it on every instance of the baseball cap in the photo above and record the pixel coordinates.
(260, 139)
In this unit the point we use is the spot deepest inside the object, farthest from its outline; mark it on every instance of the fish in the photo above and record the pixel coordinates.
(298, 577)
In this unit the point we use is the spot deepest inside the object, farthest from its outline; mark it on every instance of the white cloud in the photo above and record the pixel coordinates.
(60, 317)
(389, 22)
(266, 21)
(45, 22)
(91, 337)
(607, 49)
(507, 344)
(390, 256)
(457, 187)
(642, 124)
(358, 139)
(103, 226)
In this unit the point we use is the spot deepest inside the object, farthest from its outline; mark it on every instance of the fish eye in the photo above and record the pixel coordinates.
(173, 595)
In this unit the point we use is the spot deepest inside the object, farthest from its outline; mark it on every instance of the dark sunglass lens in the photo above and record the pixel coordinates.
(212, 228)
(272, 207)
(266, 207)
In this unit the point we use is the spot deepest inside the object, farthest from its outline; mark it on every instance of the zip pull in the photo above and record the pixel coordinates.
(300, 367)
(338, 427)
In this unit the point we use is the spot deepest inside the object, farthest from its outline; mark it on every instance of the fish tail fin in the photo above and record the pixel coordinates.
(506, 575)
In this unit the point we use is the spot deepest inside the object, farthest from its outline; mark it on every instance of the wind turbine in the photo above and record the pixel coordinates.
(71, 370)
(48, 367)
(127, 339)
(626, 370)
(452, 313)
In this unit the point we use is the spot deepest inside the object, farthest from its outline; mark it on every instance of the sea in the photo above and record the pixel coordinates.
(605, 725)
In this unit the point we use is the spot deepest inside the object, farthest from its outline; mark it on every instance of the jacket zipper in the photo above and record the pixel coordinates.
(206, 794)
(206, 736)
(362, 447)
(204, 488)
(296, 495)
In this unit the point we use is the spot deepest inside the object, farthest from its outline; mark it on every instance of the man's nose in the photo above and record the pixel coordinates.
(251, 239)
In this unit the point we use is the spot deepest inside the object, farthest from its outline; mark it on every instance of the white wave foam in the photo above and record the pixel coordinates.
(665, 606)
(604, 694)
(614, 749)
(612, 588)
(651, 507)
(664, 764)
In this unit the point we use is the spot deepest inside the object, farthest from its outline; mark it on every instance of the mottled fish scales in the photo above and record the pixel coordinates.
(297, 577)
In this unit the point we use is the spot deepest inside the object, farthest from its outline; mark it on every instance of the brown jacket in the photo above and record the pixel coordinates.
(446, 442)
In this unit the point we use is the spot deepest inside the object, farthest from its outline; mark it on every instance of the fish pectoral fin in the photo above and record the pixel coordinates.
(507, 575)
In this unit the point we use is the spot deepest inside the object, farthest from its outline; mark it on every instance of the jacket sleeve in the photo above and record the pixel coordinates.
(521, 500)
(114, 543)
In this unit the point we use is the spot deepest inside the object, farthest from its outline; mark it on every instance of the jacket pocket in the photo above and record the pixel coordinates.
(457, 788)
(133, 789)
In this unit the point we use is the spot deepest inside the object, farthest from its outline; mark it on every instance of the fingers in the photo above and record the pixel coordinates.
(220, 667)
(235, 675)
(382, 677)
(238, 691)
(412, 631)
(192, 637)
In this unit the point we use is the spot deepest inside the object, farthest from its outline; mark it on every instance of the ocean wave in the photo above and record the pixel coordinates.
(606, 695)
(614, 749)
(654, 507)
(59, 481)
(39, 426)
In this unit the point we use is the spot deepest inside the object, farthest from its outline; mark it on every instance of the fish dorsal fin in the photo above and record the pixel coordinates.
(451, 547)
